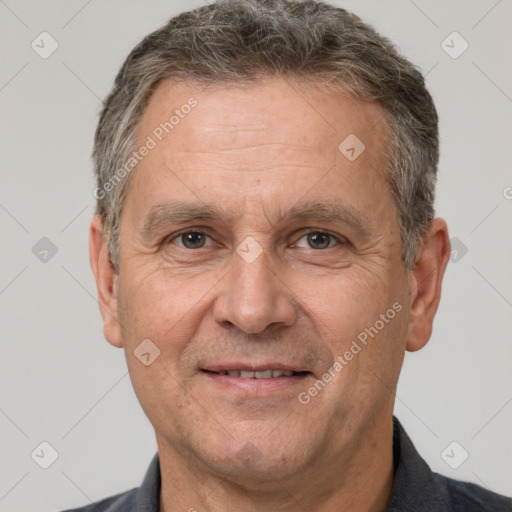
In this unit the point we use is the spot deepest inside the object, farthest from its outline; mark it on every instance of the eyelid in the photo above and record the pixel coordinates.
(341, 240)
(171, 238)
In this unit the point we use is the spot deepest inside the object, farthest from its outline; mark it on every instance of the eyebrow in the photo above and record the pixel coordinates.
(163, 215)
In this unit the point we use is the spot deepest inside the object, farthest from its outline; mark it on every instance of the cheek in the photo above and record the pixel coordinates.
(152, 309)
(162, 307)
(361, 317)
(344, 305)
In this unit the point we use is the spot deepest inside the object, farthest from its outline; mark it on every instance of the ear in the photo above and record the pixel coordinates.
(426, 279)
(106, 282)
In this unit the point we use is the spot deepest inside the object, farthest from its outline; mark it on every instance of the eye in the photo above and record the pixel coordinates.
(318, 240)
(191, 240)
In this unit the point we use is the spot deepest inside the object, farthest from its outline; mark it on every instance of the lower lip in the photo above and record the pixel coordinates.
(257, 387)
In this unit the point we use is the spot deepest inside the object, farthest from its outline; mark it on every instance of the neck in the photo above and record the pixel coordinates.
(359, 481)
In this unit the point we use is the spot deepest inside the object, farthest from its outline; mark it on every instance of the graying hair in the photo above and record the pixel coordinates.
(243, 41)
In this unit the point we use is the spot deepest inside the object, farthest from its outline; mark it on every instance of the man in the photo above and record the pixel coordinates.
(265, 250)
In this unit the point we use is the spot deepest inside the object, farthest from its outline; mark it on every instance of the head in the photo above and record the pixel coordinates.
(266, 174)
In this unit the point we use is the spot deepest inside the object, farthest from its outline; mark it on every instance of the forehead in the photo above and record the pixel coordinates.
(270, 110)
(273, 140)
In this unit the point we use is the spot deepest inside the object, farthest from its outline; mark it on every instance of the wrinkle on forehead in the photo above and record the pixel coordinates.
(269, 115)
(269, 145)
(235, 128)
(267, 141)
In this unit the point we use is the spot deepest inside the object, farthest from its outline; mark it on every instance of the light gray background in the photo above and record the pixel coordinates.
(61, 382)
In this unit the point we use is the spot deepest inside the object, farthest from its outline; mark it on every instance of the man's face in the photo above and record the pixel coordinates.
(299, 255)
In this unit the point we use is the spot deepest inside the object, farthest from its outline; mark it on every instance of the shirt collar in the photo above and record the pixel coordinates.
(148, 495)
(414, 485)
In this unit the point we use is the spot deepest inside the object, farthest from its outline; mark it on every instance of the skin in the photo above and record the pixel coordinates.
(255, 152)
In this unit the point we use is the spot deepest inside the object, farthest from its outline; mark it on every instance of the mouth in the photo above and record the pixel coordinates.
(257, 374)
(256, 381)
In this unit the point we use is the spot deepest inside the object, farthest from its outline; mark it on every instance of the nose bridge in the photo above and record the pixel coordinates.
(253, 297)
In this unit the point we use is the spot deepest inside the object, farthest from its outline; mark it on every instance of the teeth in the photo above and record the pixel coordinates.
(267, 374)
(263, 374)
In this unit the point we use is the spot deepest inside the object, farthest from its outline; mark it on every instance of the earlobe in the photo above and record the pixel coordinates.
(106, 282)
(427, 277)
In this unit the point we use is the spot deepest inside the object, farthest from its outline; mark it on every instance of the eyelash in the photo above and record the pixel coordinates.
(338, 239)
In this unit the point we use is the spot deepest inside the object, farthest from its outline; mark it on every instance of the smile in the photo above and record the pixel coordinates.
(262, 374)
(260, 381)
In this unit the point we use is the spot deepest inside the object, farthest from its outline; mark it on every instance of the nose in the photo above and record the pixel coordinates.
(253, 297)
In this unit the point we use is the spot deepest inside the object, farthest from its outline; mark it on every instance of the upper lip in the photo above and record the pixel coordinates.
(253, 367)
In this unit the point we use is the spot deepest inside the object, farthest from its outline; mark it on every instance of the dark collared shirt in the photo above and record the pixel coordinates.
(415, 488)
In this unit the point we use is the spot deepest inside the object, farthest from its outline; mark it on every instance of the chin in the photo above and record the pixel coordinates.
(257, 464)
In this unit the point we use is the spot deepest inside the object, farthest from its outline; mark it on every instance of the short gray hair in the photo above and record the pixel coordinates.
(243, 41)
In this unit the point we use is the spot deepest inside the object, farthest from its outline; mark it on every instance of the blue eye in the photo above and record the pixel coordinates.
(192, 240)
(318, 240)
(313, 240)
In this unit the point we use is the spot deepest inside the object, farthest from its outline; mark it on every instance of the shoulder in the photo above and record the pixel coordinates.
(124, 501)
(468, 497)
(145, 497)
(417, 488)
